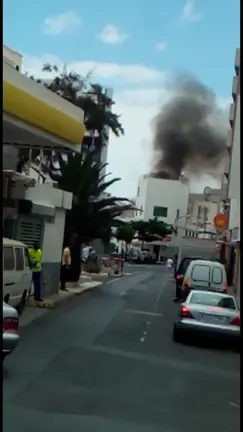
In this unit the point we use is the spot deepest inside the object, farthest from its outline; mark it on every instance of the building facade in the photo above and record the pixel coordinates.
(164, 199)
(232, 175)
(35, 119)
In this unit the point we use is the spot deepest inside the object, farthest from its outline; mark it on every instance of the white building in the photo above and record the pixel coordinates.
(201, 210)
(164, 199)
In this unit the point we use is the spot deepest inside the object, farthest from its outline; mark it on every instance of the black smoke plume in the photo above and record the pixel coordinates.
(189, 131)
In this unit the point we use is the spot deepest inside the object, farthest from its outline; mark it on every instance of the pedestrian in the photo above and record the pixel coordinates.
(65, 265)
(35, 255)
(169, 263)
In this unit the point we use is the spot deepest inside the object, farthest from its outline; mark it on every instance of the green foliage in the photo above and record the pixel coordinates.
(151, 230)
(126, 233)
(93, 211)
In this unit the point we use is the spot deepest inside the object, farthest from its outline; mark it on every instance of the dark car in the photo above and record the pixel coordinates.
(180, 273)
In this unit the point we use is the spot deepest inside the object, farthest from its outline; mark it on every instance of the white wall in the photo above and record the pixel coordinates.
(44, 194)
(234, 175)
(53, 238)
(234, 216)
(171, 194)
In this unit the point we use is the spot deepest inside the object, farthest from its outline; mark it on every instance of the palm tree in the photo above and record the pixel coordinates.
(93, 210)
(90, 97)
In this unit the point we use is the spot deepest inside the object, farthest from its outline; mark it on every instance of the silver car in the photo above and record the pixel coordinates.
(10, 337)
(208, 314)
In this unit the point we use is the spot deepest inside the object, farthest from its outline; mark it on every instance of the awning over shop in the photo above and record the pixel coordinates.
(34, 105)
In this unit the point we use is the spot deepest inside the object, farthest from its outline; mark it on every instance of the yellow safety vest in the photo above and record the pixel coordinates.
(35, 259)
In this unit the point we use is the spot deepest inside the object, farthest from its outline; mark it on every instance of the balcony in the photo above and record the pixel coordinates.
(237, 61)
(227, 168)
(229, 140)
(235, 88)
(232, 114)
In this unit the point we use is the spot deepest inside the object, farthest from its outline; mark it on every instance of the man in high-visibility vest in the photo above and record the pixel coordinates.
(35, 254)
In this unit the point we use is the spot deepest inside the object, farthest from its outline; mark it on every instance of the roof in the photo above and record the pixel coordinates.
(11, 242)
(208, 262)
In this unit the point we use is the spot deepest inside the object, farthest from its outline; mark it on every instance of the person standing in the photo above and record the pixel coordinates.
(169, 263)
(35, 255)
(66, 263)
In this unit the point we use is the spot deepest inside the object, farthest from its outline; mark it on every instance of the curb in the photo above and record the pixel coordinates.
(62, 296)
(51, 302)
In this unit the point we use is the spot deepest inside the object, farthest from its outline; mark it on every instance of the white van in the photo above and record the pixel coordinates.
(17, 275)
(204, 275)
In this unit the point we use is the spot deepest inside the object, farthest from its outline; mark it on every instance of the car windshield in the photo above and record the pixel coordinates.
(209, 299)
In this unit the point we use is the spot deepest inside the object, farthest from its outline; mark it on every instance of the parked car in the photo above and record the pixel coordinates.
(17, 275)
(149, 257)
(204, 275)
(10, 337)
(135, 255)
(210, 315)
(180, 273)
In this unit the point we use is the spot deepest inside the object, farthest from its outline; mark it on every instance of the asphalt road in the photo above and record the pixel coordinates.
(106, 362)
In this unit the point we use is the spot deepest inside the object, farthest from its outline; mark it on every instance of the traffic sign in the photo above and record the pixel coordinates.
(220, 221)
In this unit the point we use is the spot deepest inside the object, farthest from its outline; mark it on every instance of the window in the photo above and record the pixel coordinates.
(160, 211)
(217, 277)
(212, 300)
(8, 258)
(19, 256)
(205, 214)
(26, 257)
(201, 273)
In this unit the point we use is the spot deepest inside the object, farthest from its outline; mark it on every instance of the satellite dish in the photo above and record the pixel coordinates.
(207, 190)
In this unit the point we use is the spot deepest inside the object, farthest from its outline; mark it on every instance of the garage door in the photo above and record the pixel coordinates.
(30, 230)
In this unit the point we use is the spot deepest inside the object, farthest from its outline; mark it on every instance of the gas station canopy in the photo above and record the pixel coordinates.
(35, 116)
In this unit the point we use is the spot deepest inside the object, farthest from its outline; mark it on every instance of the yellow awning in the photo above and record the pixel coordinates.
(24, 106)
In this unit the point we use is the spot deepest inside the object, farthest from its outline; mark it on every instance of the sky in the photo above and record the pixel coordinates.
(132, 47)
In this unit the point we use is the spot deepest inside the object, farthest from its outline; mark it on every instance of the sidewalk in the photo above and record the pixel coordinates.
(55, 300)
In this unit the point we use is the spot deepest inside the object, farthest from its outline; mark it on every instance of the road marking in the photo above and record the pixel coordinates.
(145, 332)
(234, 404)
(160, 294)
(138, 312)
(142, 339)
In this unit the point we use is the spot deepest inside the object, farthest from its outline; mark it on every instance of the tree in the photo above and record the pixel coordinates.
(90, 97)
(93, 210)
(151, 230)
(125, 233)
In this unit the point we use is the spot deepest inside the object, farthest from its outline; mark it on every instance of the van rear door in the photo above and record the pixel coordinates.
(200, 276)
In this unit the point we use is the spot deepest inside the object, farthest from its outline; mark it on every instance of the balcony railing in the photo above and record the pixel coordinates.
(237, 61)
(232, 114)
(235, 88)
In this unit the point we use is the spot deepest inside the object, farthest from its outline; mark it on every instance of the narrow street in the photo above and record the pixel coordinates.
(106, 362)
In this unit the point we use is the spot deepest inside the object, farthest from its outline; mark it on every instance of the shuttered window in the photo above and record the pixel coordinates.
(29, 231)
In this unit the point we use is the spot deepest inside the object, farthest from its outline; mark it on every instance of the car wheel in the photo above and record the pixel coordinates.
(176, 335)
(21, 306)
